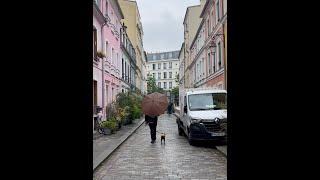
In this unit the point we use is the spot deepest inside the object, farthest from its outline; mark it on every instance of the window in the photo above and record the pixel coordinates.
(197, 72)
(170, 85)
(170, 74)
(208, 27)
(164, 85)
(95, 95)
(98, 3)
(112, 59)
(106, 48)
(219, 50)
(209, 64)
(162, 56)
(107, 88)
(218, 10)
(117, 60)
(159, 65)
(214, 62)
(165, 75)
(112, 94)
(154, 75)
(164, 65)
(202, 70)
(212, 20)
(170, 65)
(94, 43)
(159, 75)
(123, 66)
(170, 55)
(153, 66)
(154, 57)
(106, 7)
(207, 101)
(159, 84)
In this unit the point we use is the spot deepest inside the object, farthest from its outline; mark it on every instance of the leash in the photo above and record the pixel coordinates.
(160, 132)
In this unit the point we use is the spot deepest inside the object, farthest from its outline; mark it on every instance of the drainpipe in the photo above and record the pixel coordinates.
(103, 83)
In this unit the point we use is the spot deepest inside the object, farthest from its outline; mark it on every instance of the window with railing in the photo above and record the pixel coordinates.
(170, 74)
(159, 75)
(209, 64)
(94, 43)
(164, 75)
(220, 57)
(164, 65)
(218, 11)
(170, 65)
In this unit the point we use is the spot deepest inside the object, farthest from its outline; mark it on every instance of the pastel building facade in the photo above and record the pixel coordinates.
(107, 17)
(207, 51)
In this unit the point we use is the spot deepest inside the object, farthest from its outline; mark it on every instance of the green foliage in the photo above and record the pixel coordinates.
(175, 91)
(128, 106)
(110, 124)
(177, 78)
(151, 85)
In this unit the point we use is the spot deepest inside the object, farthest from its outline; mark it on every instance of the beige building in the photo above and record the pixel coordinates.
(132, 20)
(191, 24)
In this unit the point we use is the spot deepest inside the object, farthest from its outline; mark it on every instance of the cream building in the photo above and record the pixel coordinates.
(164, 67)
(191, 24)
(132, 21)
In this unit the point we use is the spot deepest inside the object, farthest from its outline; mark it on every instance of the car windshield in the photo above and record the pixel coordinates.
(209, 101)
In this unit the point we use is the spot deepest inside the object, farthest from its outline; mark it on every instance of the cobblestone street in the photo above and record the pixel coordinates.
(137, 158)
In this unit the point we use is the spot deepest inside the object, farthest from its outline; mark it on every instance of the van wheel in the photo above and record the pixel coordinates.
(191, 142)
(180, 130)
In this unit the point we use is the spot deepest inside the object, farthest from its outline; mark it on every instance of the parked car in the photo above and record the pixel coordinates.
(203, 115)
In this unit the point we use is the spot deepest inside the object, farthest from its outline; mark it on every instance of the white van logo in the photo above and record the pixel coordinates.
(217, 120)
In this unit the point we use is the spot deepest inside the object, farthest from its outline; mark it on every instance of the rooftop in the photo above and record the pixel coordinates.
(163, 55)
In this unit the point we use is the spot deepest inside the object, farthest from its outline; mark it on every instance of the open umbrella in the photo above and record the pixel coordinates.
(154, 104)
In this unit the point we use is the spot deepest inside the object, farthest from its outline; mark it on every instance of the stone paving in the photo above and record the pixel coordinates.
(137, 158)
(104, 145)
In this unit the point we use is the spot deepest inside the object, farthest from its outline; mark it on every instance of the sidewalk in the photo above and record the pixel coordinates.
(104, 145)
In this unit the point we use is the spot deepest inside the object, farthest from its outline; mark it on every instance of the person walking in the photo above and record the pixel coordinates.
(152, 122)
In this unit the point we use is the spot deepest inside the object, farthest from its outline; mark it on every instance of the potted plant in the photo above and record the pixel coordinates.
(109, 126)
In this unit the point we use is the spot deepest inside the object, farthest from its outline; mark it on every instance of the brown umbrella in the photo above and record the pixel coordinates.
(154, 104)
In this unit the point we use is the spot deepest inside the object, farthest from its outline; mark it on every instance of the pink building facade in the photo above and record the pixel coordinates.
(107, 21)
(208, 55)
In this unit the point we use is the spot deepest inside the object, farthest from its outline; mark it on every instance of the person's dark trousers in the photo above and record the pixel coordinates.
(153, 129)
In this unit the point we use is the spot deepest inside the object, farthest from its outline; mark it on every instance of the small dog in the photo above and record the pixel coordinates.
(163, 137)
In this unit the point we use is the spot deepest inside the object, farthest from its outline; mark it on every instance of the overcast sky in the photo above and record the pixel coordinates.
(162, 22)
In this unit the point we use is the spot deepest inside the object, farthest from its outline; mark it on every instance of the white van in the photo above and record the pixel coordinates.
(203, 114)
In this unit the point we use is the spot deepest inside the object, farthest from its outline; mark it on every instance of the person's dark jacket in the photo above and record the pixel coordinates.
(151, 120)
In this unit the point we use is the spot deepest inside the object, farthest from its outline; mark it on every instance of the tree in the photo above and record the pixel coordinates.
(177, 78)
(151, 85)
(175, 92)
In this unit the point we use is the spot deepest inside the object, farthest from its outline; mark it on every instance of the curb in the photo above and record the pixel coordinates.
(222, 150)
(105, 155)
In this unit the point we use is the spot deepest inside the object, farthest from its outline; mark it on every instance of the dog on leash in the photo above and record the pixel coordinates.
(163, 137)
